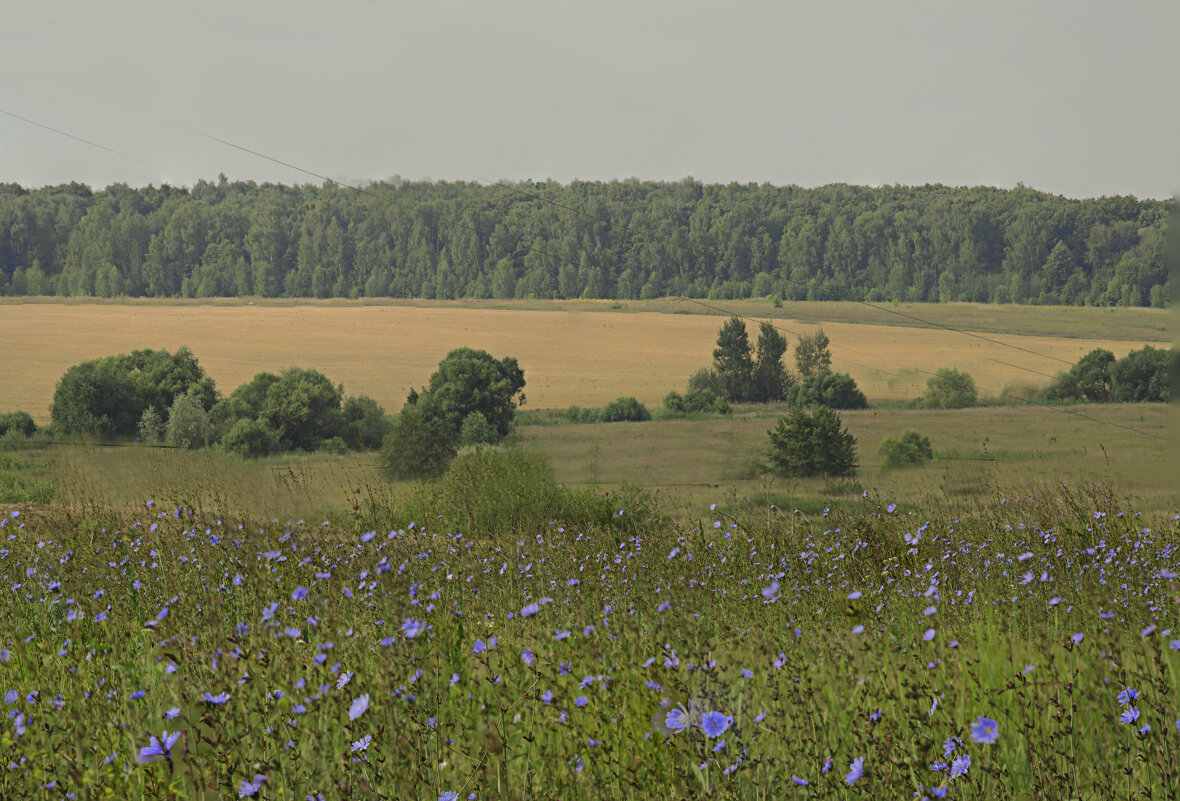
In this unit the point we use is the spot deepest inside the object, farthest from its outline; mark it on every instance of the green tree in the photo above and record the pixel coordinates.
(813, 354)
(476, 431)
(1142, 376)
(706, 379)
(151, 427)
(188, 423)
(803, 444)
(950, 389)
(1089, 379)
(417, 446)
(732, 360)
(832, 390)
(304, 409)
(769, 379)
(108, 396)
(469, 381)
(367, 422)
(908, 449)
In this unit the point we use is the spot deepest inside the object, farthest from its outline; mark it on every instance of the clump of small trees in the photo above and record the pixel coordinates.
(470, 401)
(166, 398)
(742, 375)
(1148, 375)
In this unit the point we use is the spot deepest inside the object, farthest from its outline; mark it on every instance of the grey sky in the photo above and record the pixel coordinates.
(1074, 97)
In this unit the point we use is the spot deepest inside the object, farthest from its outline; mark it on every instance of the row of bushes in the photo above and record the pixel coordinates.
(630, 410)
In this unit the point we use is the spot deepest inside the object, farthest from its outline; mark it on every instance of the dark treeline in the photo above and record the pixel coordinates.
(634, 239)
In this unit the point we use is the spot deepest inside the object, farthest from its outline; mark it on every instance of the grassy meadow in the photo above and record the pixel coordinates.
(687, 462)
(605, 611)
(572, 353)
(1020, 646)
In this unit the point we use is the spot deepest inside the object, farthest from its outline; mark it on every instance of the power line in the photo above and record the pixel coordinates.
(76, 138)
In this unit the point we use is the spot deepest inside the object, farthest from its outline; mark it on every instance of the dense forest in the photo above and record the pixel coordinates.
(622, 239)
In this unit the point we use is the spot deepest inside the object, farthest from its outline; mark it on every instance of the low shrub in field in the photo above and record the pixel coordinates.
(580, 414)
(494, 491)
(949, 389)
(624, 410)
(833, 390)
(702, 400)
(18, 423)
(909, 449)
(248, 438)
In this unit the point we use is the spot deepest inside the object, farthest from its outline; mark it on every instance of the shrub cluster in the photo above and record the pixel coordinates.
(908, 449)
(1142, 376)
(470, 401)
(698, 400)
(949, 389)
(17, 423)
(162, 397)
(826, 388)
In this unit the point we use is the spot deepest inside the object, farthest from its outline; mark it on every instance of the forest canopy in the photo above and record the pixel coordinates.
(617, 239)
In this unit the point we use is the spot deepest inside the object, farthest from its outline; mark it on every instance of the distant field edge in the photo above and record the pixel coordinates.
(1132, 323)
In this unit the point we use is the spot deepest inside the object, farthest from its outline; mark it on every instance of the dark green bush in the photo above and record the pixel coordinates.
(418, 446)
(825, 388)
(1142, 376)
(579, 414)
(696, 400)
(803, 444)
(624, 410)
(367, 422)
(108, 396)
(476, 431)
(910, 448)
(19, 422)
(249, 438)
(949, 389)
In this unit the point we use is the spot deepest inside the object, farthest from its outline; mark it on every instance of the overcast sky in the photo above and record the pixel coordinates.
(1075, 97)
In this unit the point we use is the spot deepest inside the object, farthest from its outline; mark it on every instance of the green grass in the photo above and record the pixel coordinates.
(697, 461)
(661, 611)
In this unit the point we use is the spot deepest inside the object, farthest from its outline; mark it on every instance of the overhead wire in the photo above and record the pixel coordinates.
(69, 135)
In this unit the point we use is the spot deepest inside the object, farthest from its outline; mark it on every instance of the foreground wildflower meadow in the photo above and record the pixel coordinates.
(1024, 648)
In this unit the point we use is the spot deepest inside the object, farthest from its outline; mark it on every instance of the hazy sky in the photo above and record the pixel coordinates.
(1074, 97)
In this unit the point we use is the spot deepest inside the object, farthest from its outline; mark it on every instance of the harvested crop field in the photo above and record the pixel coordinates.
(569, 356)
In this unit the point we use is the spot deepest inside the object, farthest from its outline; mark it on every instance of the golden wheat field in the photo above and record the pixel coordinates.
(569, 356)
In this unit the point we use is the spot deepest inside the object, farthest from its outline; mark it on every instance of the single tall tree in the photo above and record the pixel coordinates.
(732, 360)
(813, 354)
(770, 378)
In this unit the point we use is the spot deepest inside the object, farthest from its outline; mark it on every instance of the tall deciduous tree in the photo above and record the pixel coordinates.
(469, 381)
(813, 353)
